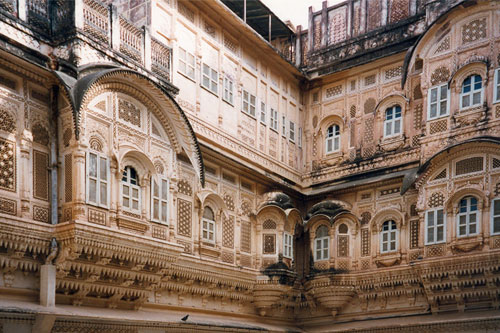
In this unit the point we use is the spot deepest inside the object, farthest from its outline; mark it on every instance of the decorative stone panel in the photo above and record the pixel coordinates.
(352, 111)
(436, 200)
(7, 122)
(228, 232)
(441, 175)
(334, 91)
(186, 12)
(184, 216)
(337, 25)
(469, 165)
(417, 92)
(369, 106)
(129, 113)
(342, 265)
(373, 13)
(365, 264)
(229, 201)
(68, 178)
(184, 187)
(246, 237)
(435, 250)
(393, 73)
(40, 134)
(227, 257)
(417, 116)
(496, 163)
(399, 10)
(317, 32)
(414, 231)
(474, 31)
(444, 45)
(97, 216)
(187, 247)
(438, 126)
(343, 246)
(40, 175)
(246, 261)
(365, 218)
(7, 165)
(159, 232)
(440, 74)
(269, 224)
(41, 214)
(365, 242)
(269, 244)
(8, 206)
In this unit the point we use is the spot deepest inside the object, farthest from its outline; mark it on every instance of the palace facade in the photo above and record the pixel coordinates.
(179, 166)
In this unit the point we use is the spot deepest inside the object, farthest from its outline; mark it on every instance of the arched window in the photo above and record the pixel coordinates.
(321, 244)
(343, 241)
(131, 192)
(208, 225)
(472, 91)
(343, 229)
(332, 143)
(388, 237)
(467, 220)
(392, 121)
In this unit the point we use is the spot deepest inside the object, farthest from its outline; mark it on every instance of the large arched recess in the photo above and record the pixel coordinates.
(431, 31)
(422, 172)
(175, 122)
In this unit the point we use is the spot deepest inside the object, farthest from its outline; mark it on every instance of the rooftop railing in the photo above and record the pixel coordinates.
(58, 19)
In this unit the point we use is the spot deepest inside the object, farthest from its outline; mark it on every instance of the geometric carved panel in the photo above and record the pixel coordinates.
(365, 242)
(40, 175)
(184, 218)
(414, 234)
(7, 165)
(246, 237)
(228, 232)
(269, 246)
(41, 214)
(343, 246)
(473, 31)
(8, 206)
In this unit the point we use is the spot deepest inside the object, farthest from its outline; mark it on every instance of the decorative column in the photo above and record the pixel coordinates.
(79, 176)
(24, 182)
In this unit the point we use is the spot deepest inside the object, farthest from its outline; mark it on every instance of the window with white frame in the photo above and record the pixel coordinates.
(495, 217)
(131, 191)
(291, 133)
(496, 91)
(287, 245)
(299, 139)
(208, 225)
(228, 90)
(283, 125)
(472, 91)
(210, 79)
(97, 179)
(186, 63)
(468, 217)
(392, 121)
(159, 200)
(388, 237)
(249, 102)
(263, 113)
(273, 119)
(438, 102)
(332, 141)
(321, 244)
(434, 226)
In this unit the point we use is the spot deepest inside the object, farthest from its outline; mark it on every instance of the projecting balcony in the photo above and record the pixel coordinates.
(56, 22)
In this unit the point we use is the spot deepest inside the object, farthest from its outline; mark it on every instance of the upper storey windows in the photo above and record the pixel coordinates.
(97, 179)
(186, 63)
(392, 121)
(332, 143)
(131, 191)
(210, 79)
(472, 92)
(438, 101)
(468, 217)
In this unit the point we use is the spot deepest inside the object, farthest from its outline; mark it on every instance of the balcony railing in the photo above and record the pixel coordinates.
(58, 19)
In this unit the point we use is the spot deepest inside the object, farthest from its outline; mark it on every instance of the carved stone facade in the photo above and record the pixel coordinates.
(173, 178)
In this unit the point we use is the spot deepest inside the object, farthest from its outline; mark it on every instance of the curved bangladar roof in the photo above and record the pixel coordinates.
(328, 208)
(438, 20)
(182, 134)
(412, 177)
